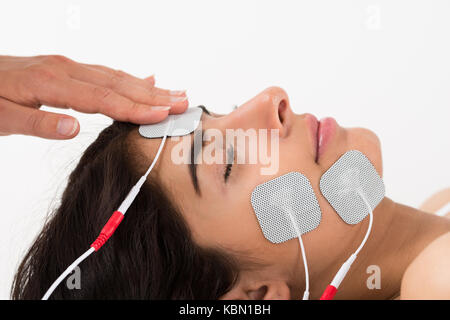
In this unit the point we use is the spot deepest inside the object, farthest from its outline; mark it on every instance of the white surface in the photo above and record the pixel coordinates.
(377, 64)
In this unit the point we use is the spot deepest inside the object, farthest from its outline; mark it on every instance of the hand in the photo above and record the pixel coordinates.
(26, 83)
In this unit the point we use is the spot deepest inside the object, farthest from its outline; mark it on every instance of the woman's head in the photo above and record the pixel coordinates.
(214, 198)
(151, 255)
(191, 232)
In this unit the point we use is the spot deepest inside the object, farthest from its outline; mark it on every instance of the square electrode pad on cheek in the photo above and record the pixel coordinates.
(280, 202)
(182, 124)
(349, 179)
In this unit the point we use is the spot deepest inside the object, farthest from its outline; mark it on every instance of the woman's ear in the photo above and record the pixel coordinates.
(263, 290)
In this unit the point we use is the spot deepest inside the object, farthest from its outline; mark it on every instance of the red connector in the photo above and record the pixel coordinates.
(108, 230)
(329, 293)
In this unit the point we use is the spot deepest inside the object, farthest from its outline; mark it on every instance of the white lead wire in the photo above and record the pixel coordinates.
(302, 248)
(122, 208)
(340, 275)
(369, 228)
(169, 126)
(66, 273)
(306, 293)
(137, 187)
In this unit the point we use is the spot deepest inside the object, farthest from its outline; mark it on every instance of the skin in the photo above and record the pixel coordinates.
(27, 83)
(437, 201)
(222, 216)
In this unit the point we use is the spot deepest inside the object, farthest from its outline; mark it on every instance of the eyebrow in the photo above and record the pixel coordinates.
(205, 110)
(193, 164)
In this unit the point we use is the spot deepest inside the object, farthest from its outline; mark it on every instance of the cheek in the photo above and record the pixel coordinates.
(331, 224)
(235, 226)
(360, 139)
(227, 222)
(245, 235)
(368, 143)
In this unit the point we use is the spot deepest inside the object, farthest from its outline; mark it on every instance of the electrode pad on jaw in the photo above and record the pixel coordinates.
(275, 200)
(351, 175)
(182, 124)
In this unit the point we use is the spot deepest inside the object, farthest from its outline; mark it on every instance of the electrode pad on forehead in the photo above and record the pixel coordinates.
(351, 175)
(182, 124)
(280, 202)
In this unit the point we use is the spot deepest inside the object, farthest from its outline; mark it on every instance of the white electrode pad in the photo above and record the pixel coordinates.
(182, 124)
(279, 199)
(351, 175)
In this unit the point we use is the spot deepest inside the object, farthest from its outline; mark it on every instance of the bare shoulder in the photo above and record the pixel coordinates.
(436, 202)
(428, 276)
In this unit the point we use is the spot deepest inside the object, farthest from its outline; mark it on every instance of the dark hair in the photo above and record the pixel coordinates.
(151, 255)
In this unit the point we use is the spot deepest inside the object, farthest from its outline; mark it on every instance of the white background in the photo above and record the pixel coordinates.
(378, 64)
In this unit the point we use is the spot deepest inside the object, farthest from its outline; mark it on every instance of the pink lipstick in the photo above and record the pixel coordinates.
(325, 132)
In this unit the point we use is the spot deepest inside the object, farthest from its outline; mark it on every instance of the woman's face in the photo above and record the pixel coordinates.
(219, 211)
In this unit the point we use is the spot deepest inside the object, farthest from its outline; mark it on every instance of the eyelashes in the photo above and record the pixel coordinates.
(229, 163)
(230, 151)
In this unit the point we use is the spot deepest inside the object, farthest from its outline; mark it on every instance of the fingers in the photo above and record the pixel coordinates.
(60, 82)
(129, 89)
(17, 119)
(89, 98)
(146, 83)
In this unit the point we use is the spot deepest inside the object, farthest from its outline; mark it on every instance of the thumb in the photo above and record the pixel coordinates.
(18, 119)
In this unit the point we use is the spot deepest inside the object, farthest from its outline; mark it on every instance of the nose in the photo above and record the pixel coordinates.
(270, 109)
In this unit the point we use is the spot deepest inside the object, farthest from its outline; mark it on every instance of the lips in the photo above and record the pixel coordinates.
(313, 125)
(321, 133)
(325, 132)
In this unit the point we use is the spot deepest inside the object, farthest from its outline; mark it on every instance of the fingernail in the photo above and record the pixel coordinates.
(177, 92)
(67, 126)
(178, 99)
(151, 77)
(162, 108)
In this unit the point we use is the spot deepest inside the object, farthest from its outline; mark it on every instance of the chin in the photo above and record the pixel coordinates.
(368, 143)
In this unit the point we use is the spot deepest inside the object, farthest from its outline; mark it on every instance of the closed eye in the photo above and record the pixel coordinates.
(229, 163)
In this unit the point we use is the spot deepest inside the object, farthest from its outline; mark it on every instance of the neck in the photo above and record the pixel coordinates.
(399, 234)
